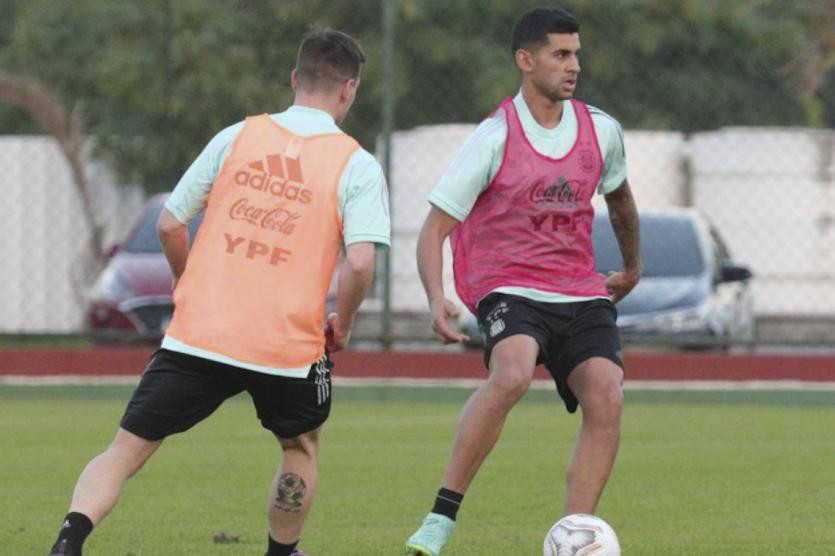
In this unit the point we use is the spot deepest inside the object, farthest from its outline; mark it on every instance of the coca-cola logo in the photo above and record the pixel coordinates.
(275, 219)
(558, 193)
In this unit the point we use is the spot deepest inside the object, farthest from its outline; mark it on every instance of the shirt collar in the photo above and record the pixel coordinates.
(532, 126)
(307, 111)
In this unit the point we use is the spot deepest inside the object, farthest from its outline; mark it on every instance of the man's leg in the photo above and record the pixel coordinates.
(292, 491)
(176, 392)
(99, 486)
(597, 384)
(512, 363)
(294, 410)
(102, 481)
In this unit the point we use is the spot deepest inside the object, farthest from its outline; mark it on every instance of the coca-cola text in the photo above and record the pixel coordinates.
(275, 219)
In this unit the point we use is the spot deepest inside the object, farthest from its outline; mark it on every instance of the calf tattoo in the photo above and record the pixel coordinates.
(290, 492)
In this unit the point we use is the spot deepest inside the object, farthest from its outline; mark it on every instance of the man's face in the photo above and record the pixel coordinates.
(554, 67)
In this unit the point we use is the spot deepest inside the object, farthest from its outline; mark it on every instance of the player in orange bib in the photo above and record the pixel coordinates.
(283, 194)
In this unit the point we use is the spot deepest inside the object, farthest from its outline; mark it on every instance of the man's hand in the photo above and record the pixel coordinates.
(621, 283)
(336, 337)
(442, 310)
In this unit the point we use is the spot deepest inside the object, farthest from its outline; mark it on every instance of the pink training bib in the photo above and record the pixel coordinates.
(531, 227)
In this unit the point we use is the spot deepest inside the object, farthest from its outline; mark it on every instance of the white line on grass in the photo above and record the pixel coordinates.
(24, 380)
(628, 385)
(62, 380)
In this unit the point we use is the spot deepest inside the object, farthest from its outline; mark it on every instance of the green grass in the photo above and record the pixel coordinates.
(44, 340)
(743, 473)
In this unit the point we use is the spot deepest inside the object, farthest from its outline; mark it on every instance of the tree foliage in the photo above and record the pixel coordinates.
(155, 79)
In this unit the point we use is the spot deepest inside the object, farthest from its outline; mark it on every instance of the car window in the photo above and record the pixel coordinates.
(669, 247)
(145, 239)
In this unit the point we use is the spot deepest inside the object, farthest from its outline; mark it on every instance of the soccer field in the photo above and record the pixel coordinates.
(699, 473)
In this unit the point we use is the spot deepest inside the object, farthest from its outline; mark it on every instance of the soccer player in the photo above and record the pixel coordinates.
(517, 205)
(282, 193)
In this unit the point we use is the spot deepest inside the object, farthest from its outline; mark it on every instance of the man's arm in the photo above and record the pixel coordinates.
(430, 260)
(173, 235)
(188, 199)
(355, 276)
(624, 217)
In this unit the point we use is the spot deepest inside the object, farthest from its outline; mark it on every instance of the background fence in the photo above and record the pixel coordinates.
(727, 106)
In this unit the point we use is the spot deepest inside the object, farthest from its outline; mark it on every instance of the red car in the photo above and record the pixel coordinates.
(133, 292)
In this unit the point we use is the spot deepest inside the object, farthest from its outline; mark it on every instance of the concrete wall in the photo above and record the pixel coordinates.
(43, 235)
(770, 192)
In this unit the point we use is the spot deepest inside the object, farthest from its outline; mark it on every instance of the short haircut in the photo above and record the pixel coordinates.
(532, 29)
(328, 57)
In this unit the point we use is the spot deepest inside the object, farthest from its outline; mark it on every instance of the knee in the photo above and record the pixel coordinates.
(130, 451)
(603, 405)
(510, 383)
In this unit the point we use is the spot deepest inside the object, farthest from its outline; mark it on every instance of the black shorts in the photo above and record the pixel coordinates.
(567, 333)
(177, 391)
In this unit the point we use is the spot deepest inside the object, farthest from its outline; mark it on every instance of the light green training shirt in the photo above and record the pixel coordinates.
(363, 202)
(481, 156)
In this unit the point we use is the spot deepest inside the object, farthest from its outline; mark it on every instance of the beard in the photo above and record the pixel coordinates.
(553, 93)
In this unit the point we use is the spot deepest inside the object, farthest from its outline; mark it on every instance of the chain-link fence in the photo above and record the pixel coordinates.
(48, 268)
(727, 107)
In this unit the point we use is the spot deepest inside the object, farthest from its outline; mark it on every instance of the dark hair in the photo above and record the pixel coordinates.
(532, 29)
(328, 57)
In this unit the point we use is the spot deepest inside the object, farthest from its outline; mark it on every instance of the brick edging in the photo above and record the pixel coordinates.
(668, 366)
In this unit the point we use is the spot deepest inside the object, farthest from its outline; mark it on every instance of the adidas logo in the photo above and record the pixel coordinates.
(277, 174)
(66, 524)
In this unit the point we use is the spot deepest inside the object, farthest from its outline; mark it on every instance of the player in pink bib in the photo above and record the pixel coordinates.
(532, 225)
(516, 204)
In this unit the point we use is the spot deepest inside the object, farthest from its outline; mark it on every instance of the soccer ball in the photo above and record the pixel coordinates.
(581, 535)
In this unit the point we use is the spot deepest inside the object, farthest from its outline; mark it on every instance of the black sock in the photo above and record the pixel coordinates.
(75, 529)
(447, 503)
(278, 549)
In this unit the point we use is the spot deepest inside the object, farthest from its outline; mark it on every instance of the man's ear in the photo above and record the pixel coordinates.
(348, 88)
(524, 60)
(294, 80)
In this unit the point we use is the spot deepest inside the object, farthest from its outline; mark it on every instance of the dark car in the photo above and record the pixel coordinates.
(133, 292)
(692, 293)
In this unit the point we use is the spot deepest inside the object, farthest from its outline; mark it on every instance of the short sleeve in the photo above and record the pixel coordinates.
(610, 139)
(189, 196)
(364, 202)
(475, 166)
